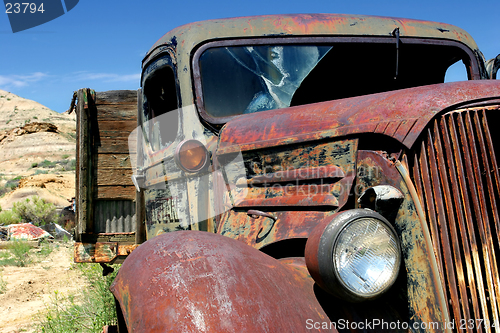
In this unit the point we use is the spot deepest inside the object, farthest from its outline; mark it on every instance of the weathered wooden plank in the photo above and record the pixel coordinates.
(112, 146)
(126, 126)
(84, 167)
(114, 134)
(117, 112)
(113, 161)
(116, 192)
(106, 177)
(116, 97)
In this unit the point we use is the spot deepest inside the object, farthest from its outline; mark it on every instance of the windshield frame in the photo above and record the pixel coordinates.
(472, 67)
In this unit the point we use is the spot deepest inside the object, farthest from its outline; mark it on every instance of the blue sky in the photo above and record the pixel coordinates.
(100, 44)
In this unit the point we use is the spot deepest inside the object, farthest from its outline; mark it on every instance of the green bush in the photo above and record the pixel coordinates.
(71, 165)
(18, 254)
(67, 165)
(6, 259)
(20, 251)
(47, 164)
(8, 217)
(87, 312)
(13, 183)
(36, 211)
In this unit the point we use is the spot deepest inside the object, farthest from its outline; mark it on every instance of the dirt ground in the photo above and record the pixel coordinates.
(30, 289)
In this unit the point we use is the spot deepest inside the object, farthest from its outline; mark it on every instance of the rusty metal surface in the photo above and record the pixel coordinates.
(299, 185)
(192, 34)
(102, 252)
(456, 172)
(191, 281)
(26, 231)
(258, 231)
(400, 114)
(374, 168)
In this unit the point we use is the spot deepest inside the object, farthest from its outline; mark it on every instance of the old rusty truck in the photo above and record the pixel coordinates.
(298, 173)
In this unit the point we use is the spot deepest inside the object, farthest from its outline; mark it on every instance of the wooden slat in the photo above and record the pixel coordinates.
(116, 112)
(114, 134)
(84, 167)
(116, 192)
(112, 146)
(114, 177)
(127, 97)
(113, 161)
(126, 126)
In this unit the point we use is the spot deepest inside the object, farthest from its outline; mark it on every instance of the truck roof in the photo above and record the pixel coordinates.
(190, 35)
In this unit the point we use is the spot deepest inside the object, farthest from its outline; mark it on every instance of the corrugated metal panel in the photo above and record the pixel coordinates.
(114, 216)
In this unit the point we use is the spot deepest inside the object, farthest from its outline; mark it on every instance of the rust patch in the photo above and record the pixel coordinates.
(230, 287)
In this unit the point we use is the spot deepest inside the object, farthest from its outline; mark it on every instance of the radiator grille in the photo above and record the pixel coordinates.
(456, 175)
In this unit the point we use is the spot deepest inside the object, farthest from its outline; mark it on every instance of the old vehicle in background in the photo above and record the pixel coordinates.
(317, 171)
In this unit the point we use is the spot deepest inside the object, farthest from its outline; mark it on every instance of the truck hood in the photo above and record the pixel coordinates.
(400, 114)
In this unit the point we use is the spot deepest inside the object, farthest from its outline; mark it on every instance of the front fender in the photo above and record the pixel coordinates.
(191, 281)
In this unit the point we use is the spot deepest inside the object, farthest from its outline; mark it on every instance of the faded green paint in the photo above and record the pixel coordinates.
(423, 304)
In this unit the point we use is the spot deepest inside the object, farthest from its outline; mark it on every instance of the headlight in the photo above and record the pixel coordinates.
(356, 256)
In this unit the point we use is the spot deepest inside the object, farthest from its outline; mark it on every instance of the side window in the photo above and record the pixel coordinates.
(456, 72)
(160, 104)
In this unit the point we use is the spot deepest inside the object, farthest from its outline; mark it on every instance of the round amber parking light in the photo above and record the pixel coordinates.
(191, 156)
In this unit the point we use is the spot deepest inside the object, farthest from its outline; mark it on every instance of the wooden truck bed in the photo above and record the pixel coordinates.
(105, 193)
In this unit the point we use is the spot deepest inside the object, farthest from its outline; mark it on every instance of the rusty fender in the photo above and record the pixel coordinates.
(192, 281)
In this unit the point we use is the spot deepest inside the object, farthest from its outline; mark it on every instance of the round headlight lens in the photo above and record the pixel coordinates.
(366, 256)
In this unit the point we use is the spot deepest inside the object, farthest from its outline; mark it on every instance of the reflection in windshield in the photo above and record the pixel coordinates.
(281, 72)
(258, 77)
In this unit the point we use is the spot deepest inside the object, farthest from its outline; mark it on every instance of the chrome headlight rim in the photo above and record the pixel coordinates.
(323, 267)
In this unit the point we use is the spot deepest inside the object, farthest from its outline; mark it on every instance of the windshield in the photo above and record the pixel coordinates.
(251, 78)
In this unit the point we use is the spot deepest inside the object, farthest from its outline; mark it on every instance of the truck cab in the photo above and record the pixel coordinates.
(314, 173)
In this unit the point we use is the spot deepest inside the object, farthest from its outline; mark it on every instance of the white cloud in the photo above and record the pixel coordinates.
(19, 81)
(105, 77)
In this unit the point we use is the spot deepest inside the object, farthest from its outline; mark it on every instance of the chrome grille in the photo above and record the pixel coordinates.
(457, 178)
